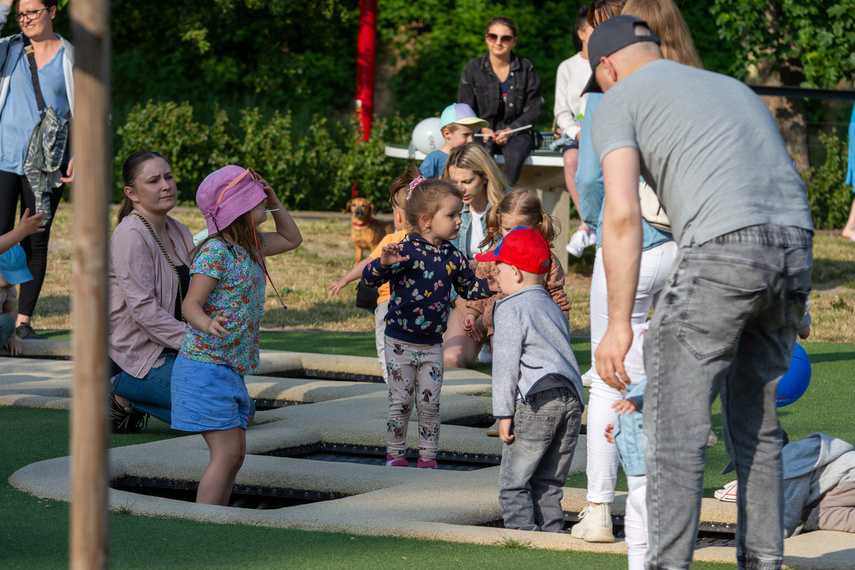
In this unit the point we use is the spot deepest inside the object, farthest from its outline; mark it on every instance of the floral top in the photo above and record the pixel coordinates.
(421, 288)
(241, 291)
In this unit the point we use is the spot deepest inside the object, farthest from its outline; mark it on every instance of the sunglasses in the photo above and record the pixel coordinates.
(493, 38)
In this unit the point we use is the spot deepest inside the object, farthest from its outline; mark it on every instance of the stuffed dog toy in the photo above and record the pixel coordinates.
(366, 232)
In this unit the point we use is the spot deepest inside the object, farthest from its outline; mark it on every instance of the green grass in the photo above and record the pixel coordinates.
(34, 532)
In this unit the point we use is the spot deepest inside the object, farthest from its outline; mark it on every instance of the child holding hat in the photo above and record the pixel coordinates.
(223, 307)
(13, 270)
(458, 124)
(537, 388)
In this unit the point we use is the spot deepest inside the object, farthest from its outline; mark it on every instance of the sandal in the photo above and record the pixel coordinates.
(727, 494)
(123, 419)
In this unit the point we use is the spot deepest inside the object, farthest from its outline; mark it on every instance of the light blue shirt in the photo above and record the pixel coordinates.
(20, 114)
(589, 182)
(850, 172)
(433, 164)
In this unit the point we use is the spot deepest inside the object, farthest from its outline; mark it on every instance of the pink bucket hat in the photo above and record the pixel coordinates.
(227, 194)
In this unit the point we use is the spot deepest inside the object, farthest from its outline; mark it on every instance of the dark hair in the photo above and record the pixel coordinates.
(399, 186)
(130, 170)
(524, 203)
(426, 199)
(581, 21)
(504, 21)
(46, 3)
(604, 9)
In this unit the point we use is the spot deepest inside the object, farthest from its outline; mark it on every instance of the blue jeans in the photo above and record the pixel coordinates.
(725, 325)
(149, 395)
(7, 328)
(536, 463)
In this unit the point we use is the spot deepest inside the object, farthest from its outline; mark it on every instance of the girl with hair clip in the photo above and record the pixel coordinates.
(397, 198)
(483, 185)
(658, 255)
(223, 307)
(422, 271)
(520, 208)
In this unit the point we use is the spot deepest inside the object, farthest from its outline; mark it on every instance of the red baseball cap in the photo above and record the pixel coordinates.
(524, 248)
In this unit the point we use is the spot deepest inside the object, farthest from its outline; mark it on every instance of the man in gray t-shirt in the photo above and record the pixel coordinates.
(727, 319)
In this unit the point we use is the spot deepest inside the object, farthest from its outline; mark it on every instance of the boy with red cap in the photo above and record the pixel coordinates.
(537, 388)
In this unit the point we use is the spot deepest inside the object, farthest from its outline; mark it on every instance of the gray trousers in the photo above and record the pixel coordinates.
(725, 325)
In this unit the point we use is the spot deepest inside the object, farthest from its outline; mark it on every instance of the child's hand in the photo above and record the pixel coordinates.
(625, 406)
(505, 429)
(13, 346)
(470, 328)
(217, 326)
(30, 224)
(337, 286)
(610, 433)
(391, 255)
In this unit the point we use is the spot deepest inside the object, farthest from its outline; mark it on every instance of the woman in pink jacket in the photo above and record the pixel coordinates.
(148, 274)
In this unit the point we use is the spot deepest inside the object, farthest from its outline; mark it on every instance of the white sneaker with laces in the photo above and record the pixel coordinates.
(595, 524)
(576, 244)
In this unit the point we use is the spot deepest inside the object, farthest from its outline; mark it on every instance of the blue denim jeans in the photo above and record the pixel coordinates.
(536, 463)
(725, 325)
(7, 328)
(151, 394)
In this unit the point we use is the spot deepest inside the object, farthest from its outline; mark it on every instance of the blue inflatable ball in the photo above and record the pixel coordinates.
(795, 382)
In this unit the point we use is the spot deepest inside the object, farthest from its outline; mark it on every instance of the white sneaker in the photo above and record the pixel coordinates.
(579, 241)
(587, 377)
(595, 524)
(485, 356)
(726, 494)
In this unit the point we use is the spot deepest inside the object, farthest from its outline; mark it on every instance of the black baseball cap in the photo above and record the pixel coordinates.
(612, 35)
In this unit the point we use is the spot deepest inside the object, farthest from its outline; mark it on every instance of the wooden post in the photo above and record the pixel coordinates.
(89, 535)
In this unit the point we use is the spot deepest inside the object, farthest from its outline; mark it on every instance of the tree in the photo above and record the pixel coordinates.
(791, 42)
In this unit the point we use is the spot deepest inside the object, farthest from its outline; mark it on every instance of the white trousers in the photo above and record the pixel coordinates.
(635, 521)
(602, 456)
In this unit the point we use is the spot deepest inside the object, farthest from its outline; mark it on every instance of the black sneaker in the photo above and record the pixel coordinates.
(24, 330)
(125, 420)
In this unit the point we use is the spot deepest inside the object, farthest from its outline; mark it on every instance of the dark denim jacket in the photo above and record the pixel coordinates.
(479, 88)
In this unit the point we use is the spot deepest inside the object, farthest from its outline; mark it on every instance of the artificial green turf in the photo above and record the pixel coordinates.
(34, 532)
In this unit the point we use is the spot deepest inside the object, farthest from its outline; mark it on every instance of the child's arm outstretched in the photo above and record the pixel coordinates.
(466, 283)
(200, 287)
(287, 235)
(27, 226)
(349, 277)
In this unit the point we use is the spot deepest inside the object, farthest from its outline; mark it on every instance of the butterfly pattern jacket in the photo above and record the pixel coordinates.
(421, 288)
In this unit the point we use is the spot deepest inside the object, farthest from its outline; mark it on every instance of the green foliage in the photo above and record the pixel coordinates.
(816, 37)
(316, 169)
(829, 197)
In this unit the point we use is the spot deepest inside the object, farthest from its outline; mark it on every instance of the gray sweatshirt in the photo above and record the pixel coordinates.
(531, 343)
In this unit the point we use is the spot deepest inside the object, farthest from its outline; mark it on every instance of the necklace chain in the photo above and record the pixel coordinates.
(166, 255)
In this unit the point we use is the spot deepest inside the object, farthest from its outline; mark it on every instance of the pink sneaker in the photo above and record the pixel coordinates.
(392, 462)
(430, 464)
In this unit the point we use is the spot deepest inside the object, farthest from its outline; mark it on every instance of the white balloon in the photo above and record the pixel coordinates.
(427, 136)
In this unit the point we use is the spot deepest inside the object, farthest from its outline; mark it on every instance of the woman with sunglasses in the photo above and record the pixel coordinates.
(148, 273)
(19, 114)
(503, 89)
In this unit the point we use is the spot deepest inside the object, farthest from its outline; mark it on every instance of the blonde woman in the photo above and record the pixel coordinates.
(471, 168)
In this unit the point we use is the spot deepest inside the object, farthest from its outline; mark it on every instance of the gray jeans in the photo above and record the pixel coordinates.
(725, 325)
(536, 463)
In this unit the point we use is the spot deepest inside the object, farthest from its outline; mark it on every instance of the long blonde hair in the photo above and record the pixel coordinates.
(666, 21)
(473, 156)
(523, 203)
(601, 10)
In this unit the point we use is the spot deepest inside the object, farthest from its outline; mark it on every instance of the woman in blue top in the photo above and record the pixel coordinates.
(658, 254)
(19, 115)
(849, 229)
(471, 168)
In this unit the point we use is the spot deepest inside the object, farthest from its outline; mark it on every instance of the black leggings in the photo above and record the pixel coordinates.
(14, 187)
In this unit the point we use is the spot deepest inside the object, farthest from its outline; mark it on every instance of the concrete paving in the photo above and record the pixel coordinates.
(411, 503)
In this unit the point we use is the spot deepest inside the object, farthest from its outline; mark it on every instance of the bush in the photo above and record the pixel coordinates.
(318, 169)
(829, 197)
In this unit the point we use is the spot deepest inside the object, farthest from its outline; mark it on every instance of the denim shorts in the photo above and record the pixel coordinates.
(569, 146)
(207, 397)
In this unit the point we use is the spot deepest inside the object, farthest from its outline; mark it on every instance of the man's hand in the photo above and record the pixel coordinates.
(610, 354)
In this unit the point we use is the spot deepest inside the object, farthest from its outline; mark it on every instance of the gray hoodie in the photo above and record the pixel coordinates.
(531, 342)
